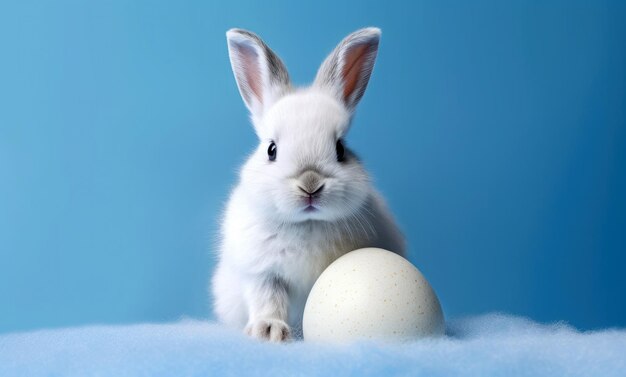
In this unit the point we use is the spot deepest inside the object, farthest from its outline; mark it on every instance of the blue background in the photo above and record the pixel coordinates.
(497, 131)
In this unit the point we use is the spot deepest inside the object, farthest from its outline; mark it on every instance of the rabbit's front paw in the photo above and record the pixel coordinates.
(270, 329)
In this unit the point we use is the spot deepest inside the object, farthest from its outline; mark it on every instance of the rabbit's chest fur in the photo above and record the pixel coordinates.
(254, 248)
(296, 253)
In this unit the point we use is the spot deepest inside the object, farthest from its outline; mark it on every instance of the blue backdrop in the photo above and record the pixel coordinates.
(497, 131)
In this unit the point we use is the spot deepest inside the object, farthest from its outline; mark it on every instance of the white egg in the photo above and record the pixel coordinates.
(371, 294)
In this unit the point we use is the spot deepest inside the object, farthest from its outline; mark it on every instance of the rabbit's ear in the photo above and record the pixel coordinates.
(261, 76)
(346, 71)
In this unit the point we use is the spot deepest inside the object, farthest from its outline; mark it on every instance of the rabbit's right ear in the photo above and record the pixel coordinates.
(261, 76)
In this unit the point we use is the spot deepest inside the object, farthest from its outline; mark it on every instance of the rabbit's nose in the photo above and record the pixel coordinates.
(311, 183)
(314, 193)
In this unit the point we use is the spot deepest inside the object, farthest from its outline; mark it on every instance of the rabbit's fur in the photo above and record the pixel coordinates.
(290, 217)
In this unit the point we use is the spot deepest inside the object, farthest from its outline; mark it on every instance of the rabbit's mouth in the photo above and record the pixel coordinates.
(311, 208)
(311, 200)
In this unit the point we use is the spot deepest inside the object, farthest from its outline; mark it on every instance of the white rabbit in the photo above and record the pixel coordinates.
(303, 198)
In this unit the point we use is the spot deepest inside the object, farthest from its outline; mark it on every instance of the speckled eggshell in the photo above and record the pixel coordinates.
(371, 293)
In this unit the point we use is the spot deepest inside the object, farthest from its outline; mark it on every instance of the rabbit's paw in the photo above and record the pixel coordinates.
(271, 329)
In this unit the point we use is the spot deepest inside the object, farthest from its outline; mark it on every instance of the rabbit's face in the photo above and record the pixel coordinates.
(302, 169)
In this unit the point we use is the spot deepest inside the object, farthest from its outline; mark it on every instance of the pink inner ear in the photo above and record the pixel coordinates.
(250, 64)
(354, 60)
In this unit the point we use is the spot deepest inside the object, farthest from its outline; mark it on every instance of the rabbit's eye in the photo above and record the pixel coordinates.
(340, 151)
(271, 151)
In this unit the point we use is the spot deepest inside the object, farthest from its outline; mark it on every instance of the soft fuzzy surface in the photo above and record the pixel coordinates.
(492, 344)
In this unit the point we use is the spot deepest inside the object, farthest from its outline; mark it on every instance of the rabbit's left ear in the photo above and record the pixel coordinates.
(261, 76)
(346, 71)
